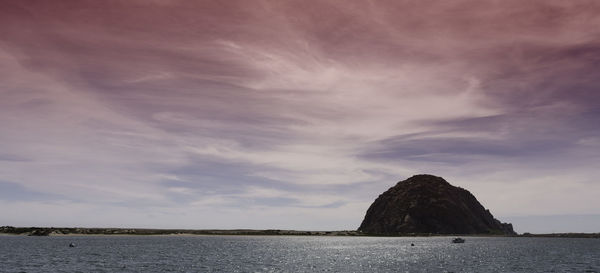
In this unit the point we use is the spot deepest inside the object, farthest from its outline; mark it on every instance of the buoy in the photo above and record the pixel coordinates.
(411, 244)
(71, 245)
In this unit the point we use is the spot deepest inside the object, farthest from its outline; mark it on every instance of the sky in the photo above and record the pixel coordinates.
(295, 114)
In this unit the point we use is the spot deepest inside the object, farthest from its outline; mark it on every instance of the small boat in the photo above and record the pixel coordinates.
(71, 245)
(458, 240)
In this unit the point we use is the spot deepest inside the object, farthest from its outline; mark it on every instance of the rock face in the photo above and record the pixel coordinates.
(429, 204)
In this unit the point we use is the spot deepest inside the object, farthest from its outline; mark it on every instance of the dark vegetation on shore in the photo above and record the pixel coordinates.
(57, 231)
(53, 231)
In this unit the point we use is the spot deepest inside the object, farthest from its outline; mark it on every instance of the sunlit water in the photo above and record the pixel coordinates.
(295, 254)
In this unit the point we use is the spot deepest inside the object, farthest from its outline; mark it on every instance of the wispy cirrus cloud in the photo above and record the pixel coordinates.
(255, 109)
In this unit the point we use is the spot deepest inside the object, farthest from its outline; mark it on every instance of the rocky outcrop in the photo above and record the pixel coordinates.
(429, 204)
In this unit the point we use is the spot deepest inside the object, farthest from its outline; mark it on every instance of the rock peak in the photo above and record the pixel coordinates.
(425, 179)
(429, 204)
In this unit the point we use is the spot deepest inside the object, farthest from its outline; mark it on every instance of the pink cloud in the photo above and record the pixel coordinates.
(110, 98)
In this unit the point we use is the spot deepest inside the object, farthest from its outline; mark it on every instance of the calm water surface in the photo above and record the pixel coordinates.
(295, 254)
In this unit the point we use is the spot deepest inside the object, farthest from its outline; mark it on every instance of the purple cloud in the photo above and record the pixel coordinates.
(279, 114)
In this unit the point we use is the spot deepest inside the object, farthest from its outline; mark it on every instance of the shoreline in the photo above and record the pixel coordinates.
(64, 231)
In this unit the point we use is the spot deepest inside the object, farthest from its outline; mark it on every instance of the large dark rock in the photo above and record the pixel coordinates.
(429, 204)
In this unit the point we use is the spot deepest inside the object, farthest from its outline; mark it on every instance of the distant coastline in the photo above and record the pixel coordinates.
(62, 231)
(59, 231)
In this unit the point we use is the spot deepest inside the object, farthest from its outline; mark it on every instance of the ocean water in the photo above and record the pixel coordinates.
(295, 254)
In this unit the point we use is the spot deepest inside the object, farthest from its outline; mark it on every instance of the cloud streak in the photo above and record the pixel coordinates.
(258, 108)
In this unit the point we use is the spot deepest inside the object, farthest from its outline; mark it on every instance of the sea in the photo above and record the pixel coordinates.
(196, 253)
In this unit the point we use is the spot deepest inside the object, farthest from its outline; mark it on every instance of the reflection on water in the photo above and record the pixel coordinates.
(295, 254)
